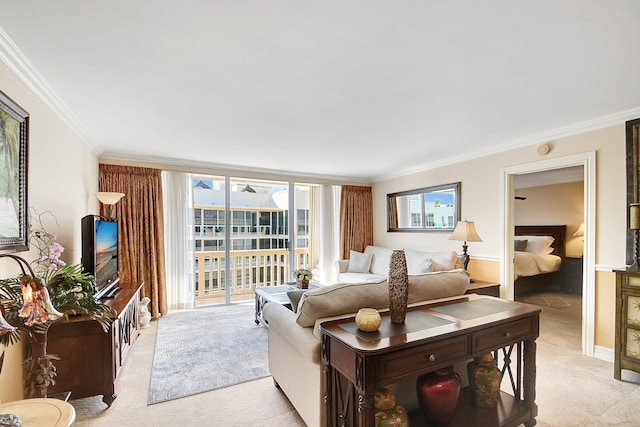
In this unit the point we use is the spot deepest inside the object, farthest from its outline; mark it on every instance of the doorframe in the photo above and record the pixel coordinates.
(588, 161)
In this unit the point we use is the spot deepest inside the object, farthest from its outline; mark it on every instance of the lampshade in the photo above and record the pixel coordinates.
(634, 216)
(579, 231)
(109, 197)
(465, 231)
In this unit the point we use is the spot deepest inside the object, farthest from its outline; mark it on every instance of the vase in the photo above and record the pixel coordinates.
(368, 319)
(398, 287)
(484, 381)
(439, 395)
(302, 283)
(388, 413)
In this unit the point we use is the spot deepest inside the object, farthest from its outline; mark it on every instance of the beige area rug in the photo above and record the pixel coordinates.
(205, 349)
(552, 299)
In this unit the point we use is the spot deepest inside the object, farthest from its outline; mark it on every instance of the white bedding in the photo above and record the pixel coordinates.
(530, 264)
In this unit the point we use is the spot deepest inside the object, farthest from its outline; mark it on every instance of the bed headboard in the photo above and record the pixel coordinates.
(558, 232)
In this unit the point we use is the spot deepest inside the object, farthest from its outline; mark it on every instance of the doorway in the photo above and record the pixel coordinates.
(587, 161)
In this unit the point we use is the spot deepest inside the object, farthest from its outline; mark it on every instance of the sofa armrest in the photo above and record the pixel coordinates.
(342, 264)
(282, 321)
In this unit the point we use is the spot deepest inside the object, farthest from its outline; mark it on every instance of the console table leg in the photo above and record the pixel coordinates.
(109, 398)
(529, 380)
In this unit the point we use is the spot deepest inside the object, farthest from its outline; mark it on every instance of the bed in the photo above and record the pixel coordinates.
(538, 257)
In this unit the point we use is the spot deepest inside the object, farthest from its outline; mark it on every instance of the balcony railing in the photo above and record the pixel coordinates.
(249, 270)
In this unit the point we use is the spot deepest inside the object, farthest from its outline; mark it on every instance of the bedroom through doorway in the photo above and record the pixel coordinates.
(549, 242)
(552, 170)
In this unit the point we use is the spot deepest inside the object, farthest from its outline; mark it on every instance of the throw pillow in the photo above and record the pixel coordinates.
(424, 267)
(540, 245)
(294, 297)
(520, 245)
(359, 262)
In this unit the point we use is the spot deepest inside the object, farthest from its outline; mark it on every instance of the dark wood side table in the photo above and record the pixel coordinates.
(484, 288)
(434, 336)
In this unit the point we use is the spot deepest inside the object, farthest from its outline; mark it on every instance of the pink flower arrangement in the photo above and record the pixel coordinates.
(50, 251)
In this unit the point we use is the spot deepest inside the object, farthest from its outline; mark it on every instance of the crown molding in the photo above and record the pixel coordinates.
(207, 168)
(562, 132)
(24, 69)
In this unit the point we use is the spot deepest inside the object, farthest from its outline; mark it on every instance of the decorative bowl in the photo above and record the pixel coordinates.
(368, 319)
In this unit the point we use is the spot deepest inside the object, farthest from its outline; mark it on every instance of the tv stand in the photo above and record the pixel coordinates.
(91, 359)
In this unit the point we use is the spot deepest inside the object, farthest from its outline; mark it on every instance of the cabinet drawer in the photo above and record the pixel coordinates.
(424, 358)
(500, 336)
(633, 281)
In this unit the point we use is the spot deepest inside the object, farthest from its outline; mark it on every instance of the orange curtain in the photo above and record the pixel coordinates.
(356, 219)
(393, 212)
(141, 224)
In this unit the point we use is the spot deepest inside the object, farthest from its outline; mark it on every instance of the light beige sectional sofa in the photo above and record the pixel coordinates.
(372, 266)
(294, 337)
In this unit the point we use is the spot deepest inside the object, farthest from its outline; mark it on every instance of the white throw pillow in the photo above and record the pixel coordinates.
(359, 262)
(540, 245)
(424, 267)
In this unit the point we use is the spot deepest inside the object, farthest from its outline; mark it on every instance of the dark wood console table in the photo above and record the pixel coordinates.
(434, 336)
(91, 359)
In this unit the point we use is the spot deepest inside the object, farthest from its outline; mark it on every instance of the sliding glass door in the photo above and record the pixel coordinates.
(246, 237)
(209, 215)
(259, 238)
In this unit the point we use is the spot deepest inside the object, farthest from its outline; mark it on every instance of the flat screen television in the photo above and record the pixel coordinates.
(100, 252)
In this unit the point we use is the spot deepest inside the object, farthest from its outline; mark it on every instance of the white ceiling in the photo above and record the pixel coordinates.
(360, 89)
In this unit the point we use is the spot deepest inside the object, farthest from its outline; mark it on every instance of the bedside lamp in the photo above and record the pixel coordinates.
(579, 231)
(109, 198)
(465, 231)
(634, 224)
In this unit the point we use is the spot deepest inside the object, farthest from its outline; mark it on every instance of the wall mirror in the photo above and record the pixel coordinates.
(633, 177)
(424, 209)
(14, 131)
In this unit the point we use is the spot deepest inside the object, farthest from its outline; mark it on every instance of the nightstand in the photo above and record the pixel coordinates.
(572, 275)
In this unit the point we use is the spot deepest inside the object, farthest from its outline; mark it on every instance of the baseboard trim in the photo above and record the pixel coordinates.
(603, 353)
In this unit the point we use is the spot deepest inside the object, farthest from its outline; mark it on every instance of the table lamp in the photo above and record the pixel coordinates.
(465, 231)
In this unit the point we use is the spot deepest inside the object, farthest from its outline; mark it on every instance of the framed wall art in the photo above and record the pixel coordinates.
(14, 137)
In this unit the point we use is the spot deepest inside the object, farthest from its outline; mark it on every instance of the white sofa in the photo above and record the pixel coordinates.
(294, 338)
(372, 266)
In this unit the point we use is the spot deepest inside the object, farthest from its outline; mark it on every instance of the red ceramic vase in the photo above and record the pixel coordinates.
(439, 395)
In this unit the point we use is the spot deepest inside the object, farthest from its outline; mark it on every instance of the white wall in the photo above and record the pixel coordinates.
(63, 174)
(557, 204)
(482, 194)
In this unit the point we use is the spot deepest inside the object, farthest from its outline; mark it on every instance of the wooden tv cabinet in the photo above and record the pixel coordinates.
(91, 359)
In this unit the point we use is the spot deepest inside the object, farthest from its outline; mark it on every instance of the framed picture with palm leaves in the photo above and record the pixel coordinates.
(14, 137)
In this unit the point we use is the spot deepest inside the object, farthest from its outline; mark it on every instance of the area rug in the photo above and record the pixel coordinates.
(205, 349)
(552, 299)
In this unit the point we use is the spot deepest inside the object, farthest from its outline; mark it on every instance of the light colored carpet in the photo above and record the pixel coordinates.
(205, 349)
(552, 299)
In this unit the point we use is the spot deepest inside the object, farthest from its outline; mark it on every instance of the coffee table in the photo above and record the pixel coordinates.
(276, 294)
